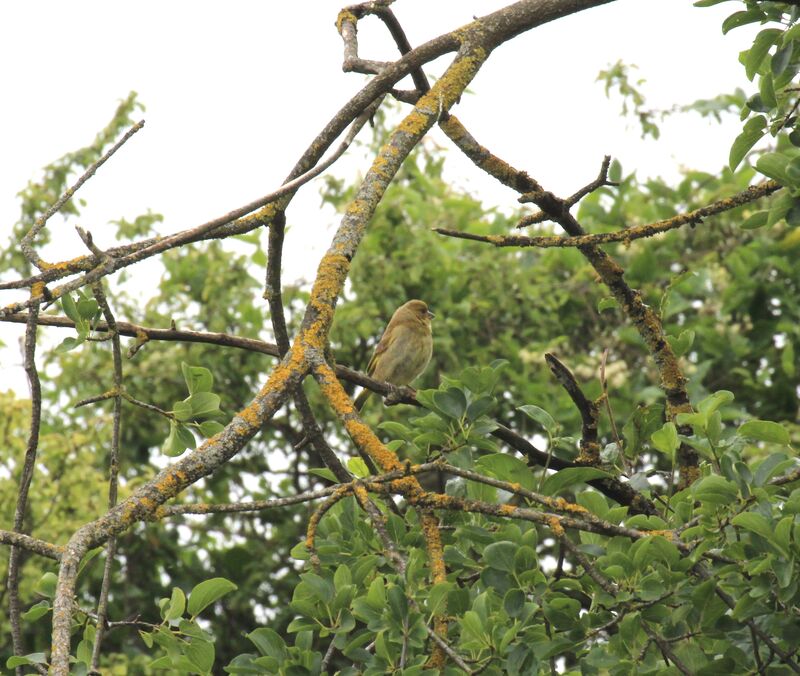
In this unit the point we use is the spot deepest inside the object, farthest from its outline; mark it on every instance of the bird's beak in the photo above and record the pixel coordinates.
(430, 315)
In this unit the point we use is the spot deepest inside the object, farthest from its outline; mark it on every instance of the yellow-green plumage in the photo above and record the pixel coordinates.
(404, 349)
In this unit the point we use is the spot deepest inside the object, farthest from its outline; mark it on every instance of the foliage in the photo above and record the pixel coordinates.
(773, 63)
(544, 571)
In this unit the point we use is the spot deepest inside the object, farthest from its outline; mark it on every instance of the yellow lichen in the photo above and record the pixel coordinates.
(668, 534)
(506, 510)
(564, 506)
(555, 526)
(345, 16)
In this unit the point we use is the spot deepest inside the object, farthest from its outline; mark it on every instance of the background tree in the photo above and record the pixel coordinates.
(590, 521)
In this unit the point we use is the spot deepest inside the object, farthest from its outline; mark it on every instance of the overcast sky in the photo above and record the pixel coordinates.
(235, 91)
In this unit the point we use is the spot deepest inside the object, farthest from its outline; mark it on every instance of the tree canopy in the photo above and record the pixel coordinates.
(596, 473)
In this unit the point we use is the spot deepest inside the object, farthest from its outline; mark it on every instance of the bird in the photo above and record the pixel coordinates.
(404, 349)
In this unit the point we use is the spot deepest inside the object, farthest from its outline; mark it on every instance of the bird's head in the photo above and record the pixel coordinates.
(417, 310)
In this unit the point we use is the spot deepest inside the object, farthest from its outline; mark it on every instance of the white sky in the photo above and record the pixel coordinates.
(235, 92)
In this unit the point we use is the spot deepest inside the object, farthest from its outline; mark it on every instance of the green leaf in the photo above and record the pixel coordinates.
(177, 604)
(507, 468)
(182, 410)
(774, 166)
(25, 660)
(666, 439)
(525, 559)
(681, 344)
(36, 611)
(793, 171)
(766, 88)
(755, 523)
(269, 643)
(781, 58)
(300, 552)
(451, 402)
(791, 34)
(764, 430)
(204, 404)
(753, 132)
(191, 628)
(514, 602)
(246, 664)
(754, 221)
(713, 401)
(207, 592)
(83, 653)
(324, 473)
(779, 208)
(570, 476)
(147, 638)
(198, 378)
(46, 586)
(500, 555)
(342, 577)
(540, 416)
(607, 303)
(480, 406)
(208, 428)
(166, 663)
(70, 343)
(715, 490)
(758, 52)
(70, 309)
(358, 467)
(694, 419)
(472, 627)
(615, 170)
(787, 359)
(793, 215)
(173, 445)
(740, 19)
(186, 437)
(770, 466)
(376, 594)
(87, 308)
(396, 430)
(318, 587)
(437, 597)
(201, 653)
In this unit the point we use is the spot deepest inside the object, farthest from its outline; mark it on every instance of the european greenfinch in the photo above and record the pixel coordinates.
(404, 349)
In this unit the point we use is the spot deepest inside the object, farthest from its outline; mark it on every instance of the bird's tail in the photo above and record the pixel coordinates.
(361, 399)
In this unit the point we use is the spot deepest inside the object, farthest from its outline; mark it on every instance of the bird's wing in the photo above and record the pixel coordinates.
(386, 340)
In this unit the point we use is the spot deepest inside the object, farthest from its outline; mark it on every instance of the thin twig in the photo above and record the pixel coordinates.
(606, 585)
(113, 473)
(607, 402)
(323, 667)
(26, 477)
(26, 242)
(600, 181)
(666, 650)
(590, 447)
